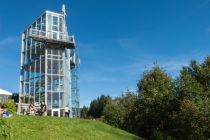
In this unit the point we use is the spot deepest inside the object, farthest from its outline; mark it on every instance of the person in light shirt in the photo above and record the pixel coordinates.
(66, 109)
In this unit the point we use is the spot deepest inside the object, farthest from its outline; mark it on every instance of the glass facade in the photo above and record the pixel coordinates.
(48, 64)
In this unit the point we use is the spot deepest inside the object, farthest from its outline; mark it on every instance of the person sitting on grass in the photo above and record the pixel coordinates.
(43, 108)
(5, 113)
(32, 108)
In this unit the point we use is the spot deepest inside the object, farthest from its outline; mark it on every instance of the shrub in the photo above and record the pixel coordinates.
(10, 106)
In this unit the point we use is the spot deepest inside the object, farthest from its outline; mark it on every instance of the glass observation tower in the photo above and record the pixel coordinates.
(49, 66)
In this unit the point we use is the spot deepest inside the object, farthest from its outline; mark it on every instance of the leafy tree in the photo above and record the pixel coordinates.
(192, 119)
(117, 111)
(127, 102)
(154, 104)
(97, 106)
(188, 87)
(164, 108)
(10, 106)
(113, 114)
(190, 122)
(84, 112)
(201, 72)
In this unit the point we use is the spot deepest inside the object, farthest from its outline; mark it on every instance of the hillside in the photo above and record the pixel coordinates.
(52, 128)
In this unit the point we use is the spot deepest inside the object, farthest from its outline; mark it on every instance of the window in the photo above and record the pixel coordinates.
(55, 35)
(55, 28)
(44, 22)
(60, 25)
(39, 24)
(55, 20)
(49, 22)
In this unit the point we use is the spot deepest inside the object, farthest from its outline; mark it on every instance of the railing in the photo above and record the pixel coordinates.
(58, 36)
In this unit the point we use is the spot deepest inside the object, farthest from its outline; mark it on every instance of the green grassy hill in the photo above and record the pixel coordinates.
(52, 128)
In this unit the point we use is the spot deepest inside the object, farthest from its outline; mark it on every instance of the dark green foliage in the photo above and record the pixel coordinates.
(116, 112)
(97, 106)
(154, 104)
(192, 119)
(113, 114)
(165, 109)
(15, 97)
(201, 72)
(84, 112)
(154, 83)
(10, 106)
(190, 122)
(187, 87)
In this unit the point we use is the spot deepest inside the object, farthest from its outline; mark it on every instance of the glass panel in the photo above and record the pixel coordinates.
(26, 75)
(25, 88)
(44, 22)
(42, 84)
(49, 82)
(33, 43)
(55, 35)
(55, 28)
(49, 99)
(28, 43)
(55, 20)
(55, 99)
(62, 99)
(34, 25)
(60, 25)
(39, 24)
(32, 89)
(49, 22)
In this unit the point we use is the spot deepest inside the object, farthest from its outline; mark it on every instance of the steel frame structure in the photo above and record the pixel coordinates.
(49, 65)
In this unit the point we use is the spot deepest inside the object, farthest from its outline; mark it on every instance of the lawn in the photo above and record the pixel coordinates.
(53, 128)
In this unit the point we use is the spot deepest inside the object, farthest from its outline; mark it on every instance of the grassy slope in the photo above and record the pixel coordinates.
(51, 128)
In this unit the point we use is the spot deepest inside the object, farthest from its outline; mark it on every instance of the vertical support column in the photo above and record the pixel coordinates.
(35, 72)
(59, 74)
(21, 74)
(64, 80)
(70, 101)
(45, 74)
(40, 69)
(29, 80)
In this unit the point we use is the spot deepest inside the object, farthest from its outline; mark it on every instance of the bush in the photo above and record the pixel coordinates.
(10, 106)
(113, 114)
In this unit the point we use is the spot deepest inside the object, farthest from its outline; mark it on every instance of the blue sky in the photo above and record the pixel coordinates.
(118, 39)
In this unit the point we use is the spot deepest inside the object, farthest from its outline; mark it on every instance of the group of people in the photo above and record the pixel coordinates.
(41, 110)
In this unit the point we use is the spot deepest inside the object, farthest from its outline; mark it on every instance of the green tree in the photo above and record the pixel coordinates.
(10, 106)
(117, 111)
(186, 86)
(201, 72)
(113, 114)
(97, 106)
(190, 122)
(154, 104)
(192, 119)
(84, 112)
(127, 102)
